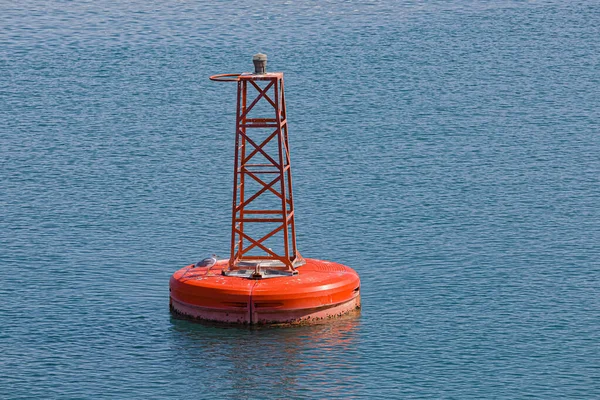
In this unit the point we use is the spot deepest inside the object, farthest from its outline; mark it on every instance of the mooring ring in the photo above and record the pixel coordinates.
(225, 77)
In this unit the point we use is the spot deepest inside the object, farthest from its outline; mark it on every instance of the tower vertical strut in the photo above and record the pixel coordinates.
(263, 230)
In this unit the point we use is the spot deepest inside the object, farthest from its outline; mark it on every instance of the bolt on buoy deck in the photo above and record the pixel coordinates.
(265, 280)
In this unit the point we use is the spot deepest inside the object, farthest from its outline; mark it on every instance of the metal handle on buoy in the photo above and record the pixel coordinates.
(225, 77)
(260, 68)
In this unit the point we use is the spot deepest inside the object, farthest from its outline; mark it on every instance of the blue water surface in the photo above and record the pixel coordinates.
(449, 151)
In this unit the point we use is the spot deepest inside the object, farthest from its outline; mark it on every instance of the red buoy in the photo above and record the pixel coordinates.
(320, 290)
(265, 280)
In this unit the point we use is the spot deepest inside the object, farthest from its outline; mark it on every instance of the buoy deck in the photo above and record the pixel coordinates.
(322, 289)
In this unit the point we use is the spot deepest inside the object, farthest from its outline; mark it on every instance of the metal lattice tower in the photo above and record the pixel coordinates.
(263, 231)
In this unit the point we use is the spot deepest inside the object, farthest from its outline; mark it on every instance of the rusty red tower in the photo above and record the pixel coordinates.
(263, 231)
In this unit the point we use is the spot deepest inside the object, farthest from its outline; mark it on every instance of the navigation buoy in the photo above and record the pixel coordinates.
(265, 280)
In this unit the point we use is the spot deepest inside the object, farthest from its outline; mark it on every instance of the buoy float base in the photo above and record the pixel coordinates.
(321, 290)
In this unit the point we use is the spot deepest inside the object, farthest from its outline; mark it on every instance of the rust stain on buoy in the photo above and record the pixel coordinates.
(265, 280)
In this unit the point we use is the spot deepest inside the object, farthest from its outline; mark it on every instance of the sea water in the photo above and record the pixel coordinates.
(448, 151)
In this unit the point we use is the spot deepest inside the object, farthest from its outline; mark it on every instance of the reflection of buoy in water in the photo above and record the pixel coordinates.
(259, 285)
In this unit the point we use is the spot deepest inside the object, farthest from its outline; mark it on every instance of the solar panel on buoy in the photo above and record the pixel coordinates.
(265, 280)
